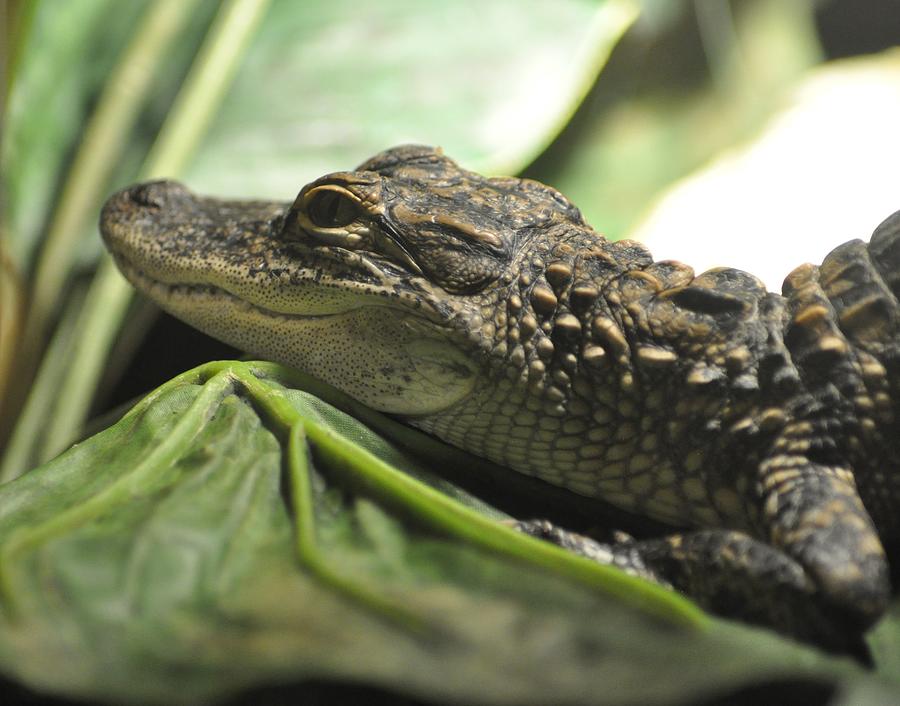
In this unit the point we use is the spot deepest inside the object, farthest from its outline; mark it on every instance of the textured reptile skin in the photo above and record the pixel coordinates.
(487, 312)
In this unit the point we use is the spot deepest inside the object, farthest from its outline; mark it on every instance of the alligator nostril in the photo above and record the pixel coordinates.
(152, 194)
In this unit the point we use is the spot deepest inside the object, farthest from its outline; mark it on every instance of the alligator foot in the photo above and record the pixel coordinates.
(728, 573)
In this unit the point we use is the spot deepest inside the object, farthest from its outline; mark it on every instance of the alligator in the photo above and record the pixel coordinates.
(761, 428)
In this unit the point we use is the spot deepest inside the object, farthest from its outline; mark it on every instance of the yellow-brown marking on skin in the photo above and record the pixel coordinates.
(514, 303)
(870, 545)
(811, 315)
(700, 375)
(554, 394)
(771, 419)
(527, 326)
(844, 573)
(599, 254)
(650, 279)
(801, 275)
(740, 425)
(675, 274)
(787, 461)
(543, 299)
(804, 428)
(836, 287)
(699, 331)
(798, 446)
(785, 537)
(605, 331)
(536, 368)
(778, 478)
(558, 274)
(864, 403)
(872, 369)
(655, 357)
(594, 356)
(409, 216)
(727, 553)
(568, 323)
(832, 344)
(583, 295)
(544, 348)
(562, 250)
(737, 358)
(865, 316)
(882, 399)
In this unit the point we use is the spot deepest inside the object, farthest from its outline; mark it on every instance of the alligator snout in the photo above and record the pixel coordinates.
(156, 194)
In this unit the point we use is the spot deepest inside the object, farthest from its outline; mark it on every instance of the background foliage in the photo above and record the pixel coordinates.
(721, 132)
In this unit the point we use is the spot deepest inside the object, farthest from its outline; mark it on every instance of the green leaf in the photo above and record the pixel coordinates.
(36, 140)
(656, 116)
(884, 641)
(328, 84)
(231, 531)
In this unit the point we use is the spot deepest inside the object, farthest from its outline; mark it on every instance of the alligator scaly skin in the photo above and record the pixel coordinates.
(487, 312)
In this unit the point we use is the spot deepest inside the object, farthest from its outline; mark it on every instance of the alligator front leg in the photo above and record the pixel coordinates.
(727, 572)
(819, 573)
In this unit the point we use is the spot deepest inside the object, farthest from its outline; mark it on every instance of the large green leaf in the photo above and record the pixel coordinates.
(35, 138)
(328, 84)
(231, 531)
(657, 116)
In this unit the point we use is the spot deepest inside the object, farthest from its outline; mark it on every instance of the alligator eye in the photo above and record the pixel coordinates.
(330, 209)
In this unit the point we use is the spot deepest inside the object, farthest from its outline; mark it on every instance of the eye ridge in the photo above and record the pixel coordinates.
(330, 209)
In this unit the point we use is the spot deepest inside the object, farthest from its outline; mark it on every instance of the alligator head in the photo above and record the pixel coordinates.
(373, 280)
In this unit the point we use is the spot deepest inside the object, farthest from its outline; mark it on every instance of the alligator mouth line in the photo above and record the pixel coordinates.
(163, 291)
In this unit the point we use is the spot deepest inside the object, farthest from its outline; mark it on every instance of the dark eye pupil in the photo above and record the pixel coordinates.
(329, 209)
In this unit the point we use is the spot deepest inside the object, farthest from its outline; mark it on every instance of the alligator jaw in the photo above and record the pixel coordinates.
(220, 266)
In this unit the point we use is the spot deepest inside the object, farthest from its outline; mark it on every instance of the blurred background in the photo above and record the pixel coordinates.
(755, 133)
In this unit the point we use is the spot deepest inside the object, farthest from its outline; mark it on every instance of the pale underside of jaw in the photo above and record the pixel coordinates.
(382, 353)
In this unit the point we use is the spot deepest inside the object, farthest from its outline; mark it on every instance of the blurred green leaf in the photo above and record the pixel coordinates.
(656, 116)
(156, 562)
(63, 60)
(328, 84)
